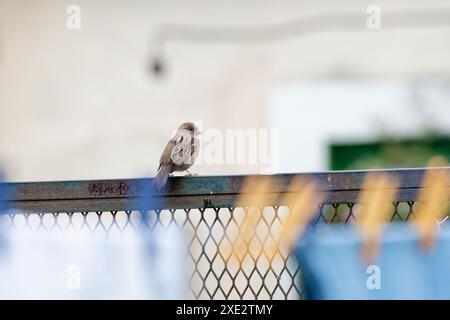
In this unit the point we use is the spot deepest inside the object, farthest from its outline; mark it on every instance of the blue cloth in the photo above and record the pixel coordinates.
(332, 268)
(3, 196)
(79, 265)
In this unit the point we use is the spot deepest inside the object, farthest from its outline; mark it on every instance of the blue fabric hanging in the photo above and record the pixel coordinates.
(3, 196)
(332, 268)
(79, 265)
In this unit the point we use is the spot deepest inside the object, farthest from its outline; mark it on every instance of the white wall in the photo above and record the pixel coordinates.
(357, 111)
(81, 104)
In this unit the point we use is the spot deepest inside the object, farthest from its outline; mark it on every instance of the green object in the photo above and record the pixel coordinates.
(388, 153)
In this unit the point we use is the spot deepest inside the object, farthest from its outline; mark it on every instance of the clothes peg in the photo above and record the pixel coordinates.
(254, 192)
(377, 194)
(433, 204)
(304, 199)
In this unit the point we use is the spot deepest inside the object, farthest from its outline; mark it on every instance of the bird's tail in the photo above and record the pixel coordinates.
(161, 177)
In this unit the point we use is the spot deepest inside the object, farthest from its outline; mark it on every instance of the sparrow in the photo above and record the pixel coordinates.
(179, 154)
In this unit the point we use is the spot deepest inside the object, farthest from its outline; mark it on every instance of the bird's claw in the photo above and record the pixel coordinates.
(188, 174)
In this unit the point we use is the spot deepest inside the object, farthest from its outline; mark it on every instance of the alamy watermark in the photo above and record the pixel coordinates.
(256, 147)
(373, 281)
(373, 21)
(73, 279)
(73, 20)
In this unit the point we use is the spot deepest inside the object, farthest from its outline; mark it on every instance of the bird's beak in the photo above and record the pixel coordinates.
(198, 132)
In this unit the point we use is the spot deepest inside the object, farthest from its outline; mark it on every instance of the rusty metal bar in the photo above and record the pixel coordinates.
(187, 192)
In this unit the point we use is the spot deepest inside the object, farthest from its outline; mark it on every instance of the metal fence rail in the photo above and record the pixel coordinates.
(203, 207)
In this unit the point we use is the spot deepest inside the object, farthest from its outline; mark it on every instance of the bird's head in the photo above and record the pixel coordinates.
(191, 127)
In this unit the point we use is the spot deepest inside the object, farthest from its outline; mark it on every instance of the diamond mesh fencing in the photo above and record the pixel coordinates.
(213, 273)
(205, 210)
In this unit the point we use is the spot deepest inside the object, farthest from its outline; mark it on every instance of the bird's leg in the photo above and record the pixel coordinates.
(190, 174)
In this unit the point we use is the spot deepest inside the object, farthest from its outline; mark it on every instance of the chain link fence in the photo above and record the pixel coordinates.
(202, 207)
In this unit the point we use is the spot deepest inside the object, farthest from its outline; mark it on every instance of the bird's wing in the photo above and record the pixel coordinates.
(179, 154)
(182, 150)
(165, 157)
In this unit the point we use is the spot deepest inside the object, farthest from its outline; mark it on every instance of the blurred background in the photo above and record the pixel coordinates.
(103, 100)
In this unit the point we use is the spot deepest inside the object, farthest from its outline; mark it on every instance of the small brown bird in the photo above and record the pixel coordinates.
(179, 154)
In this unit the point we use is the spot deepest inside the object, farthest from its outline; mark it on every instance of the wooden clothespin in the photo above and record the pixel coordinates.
(304, 199)
(433, 202)
(254, 193)
(378, 193)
